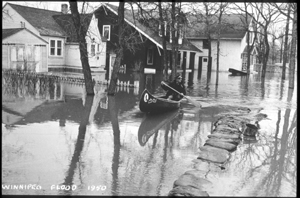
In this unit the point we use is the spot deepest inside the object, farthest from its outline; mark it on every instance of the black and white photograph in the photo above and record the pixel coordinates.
(130, 98)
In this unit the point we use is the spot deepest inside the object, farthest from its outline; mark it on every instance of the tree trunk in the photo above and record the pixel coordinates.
(165, 55)
(89, 85)
(266, 55)
(286, 44)
(113, 111)
(218, 59)
(173, 42)
(120, 51)
(281, 50)
(248, 46)
(209, 63)
(293, 52)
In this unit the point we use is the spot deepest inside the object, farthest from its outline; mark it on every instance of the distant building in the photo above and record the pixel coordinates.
(233, 44)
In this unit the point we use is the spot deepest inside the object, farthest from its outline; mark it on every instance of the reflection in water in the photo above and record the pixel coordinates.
(163, 166)
(281, 165)
(190, 82)
(151, 157)
(80, 141)
(152, 123)
(19, 86)
(113, 111)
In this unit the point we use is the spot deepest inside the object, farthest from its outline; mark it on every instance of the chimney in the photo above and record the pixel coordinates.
(64, 8)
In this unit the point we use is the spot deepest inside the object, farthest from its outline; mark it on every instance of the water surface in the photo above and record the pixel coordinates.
(57, 141)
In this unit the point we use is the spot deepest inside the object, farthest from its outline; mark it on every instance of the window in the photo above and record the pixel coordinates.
(180, 36)
(160, 30)
(93, 49)
(170, 34)
(150, 57)
(205, 44)
(106, 32)
(204, 60)
(59, 48)
(13, 54)
(52, 47)
(20, 54)
(56, 47)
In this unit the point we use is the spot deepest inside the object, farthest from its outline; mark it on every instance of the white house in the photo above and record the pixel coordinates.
(57, 34)
(23, 56)
(232, 43)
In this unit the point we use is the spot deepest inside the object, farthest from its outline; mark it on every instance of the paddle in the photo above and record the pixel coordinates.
(196, 104)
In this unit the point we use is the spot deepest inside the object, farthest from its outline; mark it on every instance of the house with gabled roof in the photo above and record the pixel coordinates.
(149, 52)
(13, 50)
(60, 49)
(233, 45)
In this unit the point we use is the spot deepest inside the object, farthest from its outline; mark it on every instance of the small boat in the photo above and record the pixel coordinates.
(152, 123)
(236, 72)
(154, 104)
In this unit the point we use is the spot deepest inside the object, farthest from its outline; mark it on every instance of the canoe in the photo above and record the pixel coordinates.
(153, 104)
(152, 123)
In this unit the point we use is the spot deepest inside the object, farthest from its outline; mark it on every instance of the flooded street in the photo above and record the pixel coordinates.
(56, 141)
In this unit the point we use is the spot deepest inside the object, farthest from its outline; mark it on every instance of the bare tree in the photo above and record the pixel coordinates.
(293, 50)
(290, 11)
(222, 8)
(274, 48)
(169, 18)
(173, 67)
(286, 43)
(163, 30)
(244, 20)
(119, 48)
(269, 15)
(81, 33)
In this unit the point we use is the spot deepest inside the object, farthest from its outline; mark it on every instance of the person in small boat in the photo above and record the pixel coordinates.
(178, 85)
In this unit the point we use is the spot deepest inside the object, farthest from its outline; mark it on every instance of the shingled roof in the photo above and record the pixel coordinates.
(8, 32)
(52, 23)
(234, 27)
(41, 19)
(65, 21)
(150, 34)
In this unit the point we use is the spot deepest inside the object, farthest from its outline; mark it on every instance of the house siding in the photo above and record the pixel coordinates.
(98, 59)
(72, 55)
(16, 54)
(133, 60)
(55, 61)
(230, 55)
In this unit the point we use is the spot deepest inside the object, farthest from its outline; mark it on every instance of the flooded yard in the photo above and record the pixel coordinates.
(57, 141)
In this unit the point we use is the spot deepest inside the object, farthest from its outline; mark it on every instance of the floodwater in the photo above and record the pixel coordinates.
(56, 141)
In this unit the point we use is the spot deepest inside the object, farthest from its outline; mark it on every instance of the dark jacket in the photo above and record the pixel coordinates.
(178, 87)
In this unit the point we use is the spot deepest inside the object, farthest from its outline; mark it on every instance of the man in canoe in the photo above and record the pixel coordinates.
(178, 85)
